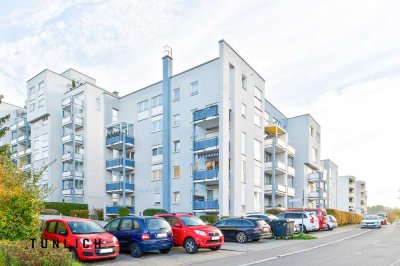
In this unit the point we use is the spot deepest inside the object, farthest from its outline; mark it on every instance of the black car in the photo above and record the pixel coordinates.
(244, 229)
(268, 218)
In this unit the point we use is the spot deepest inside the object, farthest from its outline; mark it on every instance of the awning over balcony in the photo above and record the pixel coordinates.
(208, 155)
(274, 130)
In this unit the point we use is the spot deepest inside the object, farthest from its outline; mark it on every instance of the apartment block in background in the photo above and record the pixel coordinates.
(332, 172)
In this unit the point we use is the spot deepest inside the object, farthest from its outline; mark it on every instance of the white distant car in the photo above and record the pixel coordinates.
(373, 221)
(331, 222)
(398, 222)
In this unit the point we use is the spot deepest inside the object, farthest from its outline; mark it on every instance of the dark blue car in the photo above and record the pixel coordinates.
(141, 234)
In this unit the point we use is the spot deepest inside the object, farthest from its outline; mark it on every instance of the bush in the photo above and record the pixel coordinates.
(344, 217)
(151, 212)
(274, 211)
(65, 207)
(124, 211)
(97, 214)
(209, 219)
(80, 213)
(22, 253)
(50, 212)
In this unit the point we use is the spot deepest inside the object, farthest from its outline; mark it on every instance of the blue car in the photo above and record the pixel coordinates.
(141, 234)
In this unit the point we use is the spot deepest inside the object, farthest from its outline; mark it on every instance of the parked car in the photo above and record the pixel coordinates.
(85, 239)
(398, 222)
(141, 234)
(192, 233)
(331, 222)
(383, 218)
(371, 221)
(319, 212)
(306, 221)
(244, 229)
(268, 218)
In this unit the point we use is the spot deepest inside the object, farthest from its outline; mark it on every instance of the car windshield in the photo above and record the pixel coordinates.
(371, 217)
(157, 224)
(85, 227)
(191, 220)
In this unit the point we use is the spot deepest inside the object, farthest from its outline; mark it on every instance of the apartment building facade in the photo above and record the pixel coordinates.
(332, 172)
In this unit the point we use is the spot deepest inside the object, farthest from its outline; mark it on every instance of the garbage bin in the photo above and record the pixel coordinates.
(283, 228)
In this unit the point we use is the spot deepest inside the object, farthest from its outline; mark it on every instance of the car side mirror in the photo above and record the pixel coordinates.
(62, 232)
(177, 225)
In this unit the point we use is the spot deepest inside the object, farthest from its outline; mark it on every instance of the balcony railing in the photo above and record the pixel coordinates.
(205, 143)
(67, 101)
(68, 120)
(70, 174)
(205, 175)
(116, 139)
(118, 163)
(205, 205)
(118, 186)
(205, 113)
(114, 210)
(70, 191)
(13, 127)
(70, 137)
(68, 156)
(315, 195)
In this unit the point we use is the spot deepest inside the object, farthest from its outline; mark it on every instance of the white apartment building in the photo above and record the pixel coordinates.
(332, 173)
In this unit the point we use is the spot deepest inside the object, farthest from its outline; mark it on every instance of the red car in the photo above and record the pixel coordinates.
(192, 233)
(320, 213)
(85, 239)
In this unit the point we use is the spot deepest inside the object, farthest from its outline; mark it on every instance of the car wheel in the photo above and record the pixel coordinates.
(304, 228)
(165, 251)
(241, 237)
(215, 248)
(190, 246)
(74, 255)
(328, 227)
(135, 250)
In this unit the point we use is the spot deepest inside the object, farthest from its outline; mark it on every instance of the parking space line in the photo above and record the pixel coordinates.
(307, 249)
(396, 262)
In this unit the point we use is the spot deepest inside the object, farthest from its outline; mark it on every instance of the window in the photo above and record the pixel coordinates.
(157, 101)
(318, 137)
(194, 88)
(36, 143)
(210, 194)
(156, 175)
(257, 118)
(314, 155)
(177, 197)
(41, 103)
(257, 175)
(243, 143)
(36, 156)
(244, 110)
(51, 228)
(257, 150)
(267, 117)
(258, 98)
(32, 107)
(31, 92)
(243, 198)
(177, 146)
(176, 120)
(177, 94)
(244, 82)
(113, 226)
(243, 175)
(45, 140)
(45, 121)
(98, 103)
(257, 201)
(157, 125)
(126, 224)
(157, 198)
(41, 88)
(114, 115)
(276, 121)
(311, 129)
(157, 151)
(143, 106)
(61, 227)
(177, 171)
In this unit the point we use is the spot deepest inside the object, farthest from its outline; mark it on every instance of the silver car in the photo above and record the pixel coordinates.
(373, 221)
(331, 222)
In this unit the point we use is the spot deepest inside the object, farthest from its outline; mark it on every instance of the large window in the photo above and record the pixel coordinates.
(257, 118)
(194, 88)
(177, 171)
(177, 94)
(243, 172)
(157, 151)
(314, 155)
(157, 125)
(177, 197)
(257, 150)
(157, 198)
(31, 92)
(32, 106)
(257, 176)
(244, 110)
(177, 146)
(176, 120)
(156, 175)
(311, 129)
(41, 88)
(243, 143)
(98, 103)
(157, 101)
(143, 106)
(258, 98)
(115, 115)
(41, 103)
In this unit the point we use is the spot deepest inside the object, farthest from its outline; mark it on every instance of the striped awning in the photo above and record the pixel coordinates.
(208, 155)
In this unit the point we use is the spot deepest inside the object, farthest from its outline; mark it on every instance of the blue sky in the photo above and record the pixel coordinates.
(338, 60)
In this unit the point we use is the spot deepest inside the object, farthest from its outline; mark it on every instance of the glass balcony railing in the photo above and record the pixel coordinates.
(118, 186)
(205, 143)
(205, 205)
(118, 163)
(114, 210)
(205, 113)
(118, 138)
(205, 174)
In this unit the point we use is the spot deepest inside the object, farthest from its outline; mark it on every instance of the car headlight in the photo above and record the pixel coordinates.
(199, 232)
(87, 241)
(219, 232)
(115, 239)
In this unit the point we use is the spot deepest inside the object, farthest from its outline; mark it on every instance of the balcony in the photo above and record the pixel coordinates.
(206, 176)
(13, 127)
(315, 195)
(69, 192)
(280, 147)
(67, 121)
(205, 145)
(207, 117)
(290, 191)
(205, 206)
(14, 141)
(115, 142)
(27, 167)
(280, 168)
(68, 101)
(66, 157)
(70, 174)
(23, 139)
(291, 171)
(117, 187)
(21, 124)
(114, 210)
(279, 191)
(314, 177)
(14, 156)
(116, 165)
(157, 159)
(70, 138)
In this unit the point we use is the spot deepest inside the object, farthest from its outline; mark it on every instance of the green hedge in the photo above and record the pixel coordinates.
(99, 214)
(79, 213)
(50, 212)
(209, 219)
(151, 212)
(22, 253)
(344, 217)
(274, 211)
(65, 207)
(124, 211)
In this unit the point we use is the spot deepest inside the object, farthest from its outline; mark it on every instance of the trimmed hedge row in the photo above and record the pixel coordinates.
(80, 213)
(274, 211)
(209, 219)
(65, 208)
(151, 212)
(344, 217)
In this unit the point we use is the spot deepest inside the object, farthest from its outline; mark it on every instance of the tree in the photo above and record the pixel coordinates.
(3, 130)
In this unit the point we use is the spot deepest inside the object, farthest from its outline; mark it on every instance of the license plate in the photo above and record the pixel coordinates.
(106, 250)
(215, 238)
(161, 235)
